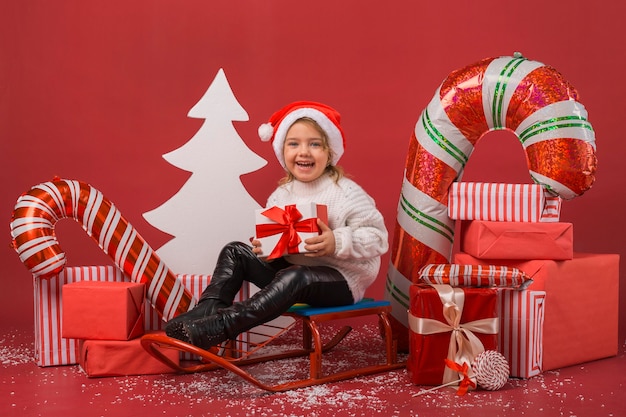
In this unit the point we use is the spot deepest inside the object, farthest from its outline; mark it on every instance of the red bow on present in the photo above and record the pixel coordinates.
(288, 223)
(466, 382)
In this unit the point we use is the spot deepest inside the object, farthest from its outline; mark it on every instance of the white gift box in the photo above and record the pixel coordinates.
(283, 230)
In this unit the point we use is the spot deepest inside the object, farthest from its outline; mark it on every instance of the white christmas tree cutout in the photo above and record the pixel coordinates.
(213, 207)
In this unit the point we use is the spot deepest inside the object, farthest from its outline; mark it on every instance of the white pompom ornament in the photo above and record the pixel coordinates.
(491, 370)
(266, 131)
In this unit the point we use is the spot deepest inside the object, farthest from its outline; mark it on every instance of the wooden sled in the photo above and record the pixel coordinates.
(312, 345)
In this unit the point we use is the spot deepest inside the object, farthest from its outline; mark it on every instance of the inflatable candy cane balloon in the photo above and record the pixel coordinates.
(32, 229)
(526, 97)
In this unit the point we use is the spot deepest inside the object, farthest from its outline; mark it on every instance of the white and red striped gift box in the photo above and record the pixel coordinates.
(50, 348)
(496, 202)
(521, 330)
(458, 275)
(552, 209)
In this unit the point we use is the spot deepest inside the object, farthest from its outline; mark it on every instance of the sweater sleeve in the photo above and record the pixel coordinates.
(362, 233)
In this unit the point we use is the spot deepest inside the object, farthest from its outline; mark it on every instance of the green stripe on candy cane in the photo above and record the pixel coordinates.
(554, 124)
(441, 140)
(500, 88)
(397, 293)
(426, 220)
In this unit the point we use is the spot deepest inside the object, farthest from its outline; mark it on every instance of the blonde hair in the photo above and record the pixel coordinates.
(334, 171)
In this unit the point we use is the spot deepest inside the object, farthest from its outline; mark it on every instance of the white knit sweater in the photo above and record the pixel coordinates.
(360, 233)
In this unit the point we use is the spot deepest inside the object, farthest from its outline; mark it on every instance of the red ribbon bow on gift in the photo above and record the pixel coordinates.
(466, 381)
(288, 223)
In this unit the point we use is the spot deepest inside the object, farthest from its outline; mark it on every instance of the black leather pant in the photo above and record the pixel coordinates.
(282, 285)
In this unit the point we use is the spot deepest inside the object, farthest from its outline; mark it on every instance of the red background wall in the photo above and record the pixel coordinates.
(98, 91)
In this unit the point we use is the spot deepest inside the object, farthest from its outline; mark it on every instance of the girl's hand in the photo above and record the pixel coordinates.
(322, 245)
(256, 246)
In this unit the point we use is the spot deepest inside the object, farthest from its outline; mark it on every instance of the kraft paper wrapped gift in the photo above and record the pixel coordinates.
(101, 358)
(516, 240)
(283, 230)
(432, 335)
(581, 311)
(103, 310)
(520, 339)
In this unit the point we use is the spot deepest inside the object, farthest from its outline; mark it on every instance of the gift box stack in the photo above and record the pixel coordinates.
(107, 319)
(568, 315)
(86, 314)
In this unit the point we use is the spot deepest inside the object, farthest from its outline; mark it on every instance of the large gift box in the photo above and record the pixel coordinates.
(517, 240)
(100, 358)
(103, 310)
(581, 311)
(283, 230)
(496, 202)
(520, 339)
(448, 322)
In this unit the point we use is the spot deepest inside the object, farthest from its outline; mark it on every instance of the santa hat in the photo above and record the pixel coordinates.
(328, 118)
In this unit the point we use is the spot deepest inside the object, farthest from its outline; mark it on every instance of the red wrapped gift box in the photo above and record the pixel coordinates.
(520, 339)
(432, 338)
(581, 312)
(100, 358)
(103, 310)
(283, 230)
(516, 240)
(50, 348)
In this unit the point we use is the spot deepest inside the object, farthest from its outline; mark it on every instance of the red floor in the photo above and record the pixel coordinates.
(591, 389)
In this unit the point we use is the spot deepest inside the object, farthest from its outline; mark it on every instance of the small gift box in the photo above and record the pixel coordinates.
(496, 202)
(520, 339)
(101, 358)
(582, 305)
(448, 323)
(103, 310)
(473, 275)
(283, 230)
(515, 240)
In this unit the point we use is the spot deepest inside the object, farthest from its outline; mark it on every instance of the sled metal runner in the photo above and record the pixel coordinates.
(311, 345)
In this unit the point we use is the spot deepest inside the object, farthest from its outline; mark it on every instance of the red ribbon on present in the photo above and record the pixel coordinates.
(288, 223)
(466, 381)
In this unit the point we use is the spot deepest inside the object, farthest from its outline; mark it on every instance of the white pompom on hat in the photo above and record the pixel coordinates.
(275, 130)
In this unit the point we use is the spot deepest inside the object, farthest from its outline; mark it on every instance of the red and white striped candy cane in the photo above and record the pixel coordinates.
(32, 228)
(457, 275)
(526, 97)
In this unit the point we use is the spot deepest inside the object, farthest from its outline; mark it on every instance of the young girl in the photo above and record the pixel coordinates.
(339, 264)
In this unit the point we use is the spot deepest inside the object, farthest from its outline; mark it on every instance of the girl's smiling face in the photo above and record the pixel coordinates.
(306, 151)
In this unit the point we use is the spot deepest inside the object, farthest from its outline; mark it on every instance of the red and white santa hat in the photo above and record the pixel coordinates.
(328, 118)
